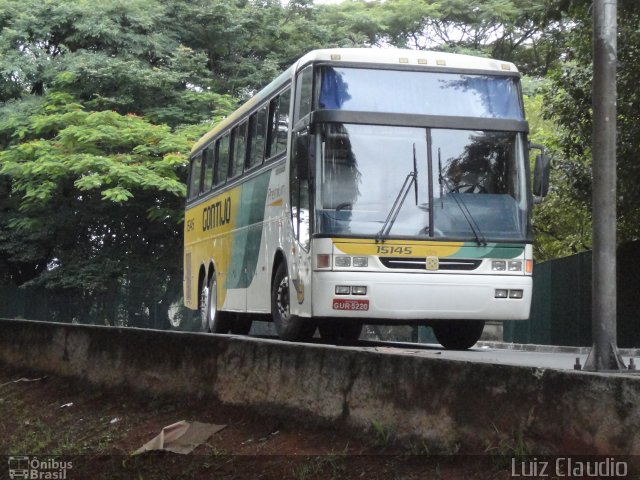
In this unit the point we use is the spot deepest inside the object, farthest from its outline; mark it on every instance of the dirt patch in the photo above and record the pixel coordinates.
(96, 430)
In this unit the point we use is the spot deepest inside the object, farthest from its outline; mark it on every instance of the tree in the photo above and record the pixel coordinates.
(90, 189)
(568, 100)
(562, 225)
(98, 199)
(125, 56)
(529, 33)
(248, 43)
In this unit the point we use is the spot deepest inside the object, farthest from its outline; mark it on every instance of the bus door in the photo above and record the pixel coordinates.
(300, 179)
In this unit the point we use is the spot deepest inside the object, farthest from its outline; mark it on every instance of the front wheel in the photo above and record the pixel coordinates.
(459, 334)
(289, 327)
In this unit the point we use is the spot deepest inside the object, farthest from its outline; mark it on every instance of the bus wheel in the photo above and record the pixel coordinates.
(213, 320)
(204, 307)
(289, 327)
(347, 331)
(459, 334)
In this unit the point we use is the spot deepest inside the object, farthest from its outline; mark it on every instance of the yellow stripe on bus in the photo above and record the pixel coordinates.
(396, 248)
(208, 234)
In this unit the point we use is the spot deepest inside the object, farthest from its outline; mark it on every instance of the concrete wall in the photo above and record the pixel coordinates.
(448, 404)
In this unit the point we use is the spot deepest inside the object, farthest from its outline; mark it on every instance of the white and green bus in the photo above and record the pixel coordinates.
(365, 186)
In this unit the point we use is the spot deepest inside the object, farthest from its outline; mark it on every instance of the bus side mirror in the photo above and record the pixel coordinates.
(541, 176)
(541, 173)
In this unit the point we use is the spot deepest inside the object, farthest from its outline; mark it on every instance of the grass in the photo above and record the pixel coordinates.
(383, 435)
(326, 466)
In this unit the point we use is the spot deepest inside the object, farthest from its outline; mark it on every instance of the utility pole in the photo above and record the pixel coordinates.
(604, 353)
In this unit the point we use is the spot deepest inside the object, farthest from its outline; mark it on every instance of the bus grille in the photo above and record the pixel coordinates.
(421, 263)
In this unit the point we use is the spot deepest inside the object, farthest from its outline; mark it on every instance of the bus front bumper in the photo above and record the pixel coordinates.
(399, 296)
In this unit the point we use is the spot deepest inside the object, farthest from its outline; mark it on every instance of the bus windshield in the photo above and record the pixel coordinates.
(426, 93)
(466, 181)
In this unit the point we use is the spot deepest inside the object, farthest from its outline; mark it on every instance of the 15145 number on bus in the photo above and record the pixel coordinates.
(393, 250)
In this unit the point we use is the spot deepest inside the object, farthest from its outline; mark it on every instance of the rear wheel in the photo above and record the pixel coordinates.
(205, 298)
(212, 319)
(347, 331)
(289, 327)
(458, 335)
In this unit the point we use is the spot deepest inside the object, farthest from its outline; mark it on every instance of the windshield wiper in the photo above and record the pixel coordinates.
(415, 173)
(412, 177)
(480, 239)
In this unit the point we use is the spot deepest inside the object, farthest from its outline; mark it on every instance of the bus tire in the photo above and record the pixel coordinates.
(289, 327)
(459, 334)
(213, 320)
(340, 331)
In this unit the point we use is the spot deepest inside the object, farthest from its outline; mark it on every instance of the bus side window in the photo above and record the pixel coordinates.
(279, 123)
(257, 133)
(239, 136)
(222, 160)
(304, 92)
(195, 176)
(283, 120)
(208, 169)
(272, 128)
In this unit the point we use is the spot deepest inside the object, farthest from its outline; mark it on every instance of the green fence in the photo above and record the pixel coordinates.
(37, 303)
(27, 303)
(561, 307)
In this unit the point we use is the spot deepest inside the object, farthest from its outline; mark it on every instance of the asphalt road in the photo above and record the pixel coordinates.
(540, 356)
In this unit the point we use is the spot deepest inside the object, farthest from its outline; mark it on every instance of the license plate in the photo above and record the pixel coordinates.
(347, 304)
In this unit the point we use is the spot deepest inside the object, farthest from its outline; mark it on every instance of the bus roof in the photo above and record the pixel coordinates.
(404, 57)
(382, 56)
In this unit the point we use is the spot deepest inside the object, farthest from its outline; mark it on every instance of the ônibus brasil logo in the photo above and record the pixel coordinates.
(34, 468)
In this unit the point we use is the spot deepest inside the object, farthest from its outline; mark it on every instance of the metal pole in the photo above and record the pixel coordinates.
(604, 353)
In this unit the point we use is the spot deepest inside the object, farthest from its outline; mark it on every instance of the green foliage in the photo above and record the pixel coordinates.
(562, 226)
(93, 150)
(568, 100)
(125, 56)
(94, 204)
(530, 33)
(383, 434)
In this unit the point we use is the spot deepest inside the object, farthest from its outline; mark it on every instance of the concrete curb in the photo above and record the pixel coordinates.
(450, 405)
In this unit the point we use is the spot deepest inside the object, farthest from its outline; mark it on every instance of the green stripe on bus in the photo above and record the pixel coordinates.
(491, 250)
(249, 225)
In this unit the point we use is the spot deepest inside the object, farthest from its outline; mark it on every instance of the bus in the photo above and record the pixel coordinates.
(366, 186)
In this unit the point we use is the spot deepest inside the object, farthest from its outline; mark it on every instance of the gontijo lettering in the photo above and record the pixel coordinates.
(216, 215)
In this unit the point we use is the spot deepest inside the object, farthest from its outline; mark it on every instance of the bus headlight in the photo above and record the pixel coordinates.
(498, 265)
(515, 265)
(353, 290)
(342, 261)
(361, 262)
